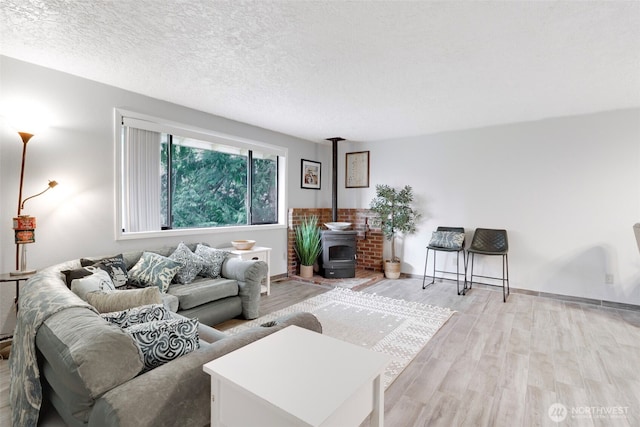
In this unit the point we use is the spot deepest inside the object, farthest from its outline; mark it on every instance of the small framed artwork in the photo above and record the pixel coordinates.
(357, 173)
(310, 174)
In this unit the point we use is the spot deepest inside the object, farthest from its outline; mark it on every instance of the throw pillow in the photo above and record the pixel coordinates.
(106, 302)
(153, 270)
(213, 259)
(114, 265)
(98, 281)
(162, 341)
(136, 315)
(191, 264)
(447, 239)
(78, 273)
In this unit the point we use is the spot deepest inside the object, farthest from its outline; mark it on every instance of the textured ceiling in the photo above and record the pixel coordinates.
(364, 70)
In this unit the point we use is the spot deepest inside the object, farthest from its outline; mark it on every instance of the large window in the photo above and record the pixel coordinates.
(175, 178)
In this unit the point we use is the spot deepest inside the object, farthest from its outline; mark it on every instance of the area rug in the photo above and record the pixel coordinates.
(395, 327)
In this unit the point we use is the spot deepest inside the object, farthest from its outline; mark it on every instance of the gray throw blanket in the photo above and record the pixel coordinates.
(41, 297)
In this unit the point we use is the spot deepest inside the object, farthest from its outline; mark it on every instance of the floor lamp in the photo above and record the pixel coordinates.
(24, 226)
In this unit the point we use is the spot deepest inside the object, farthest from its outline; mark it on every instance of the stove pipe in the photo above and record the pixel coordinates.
(334, 178)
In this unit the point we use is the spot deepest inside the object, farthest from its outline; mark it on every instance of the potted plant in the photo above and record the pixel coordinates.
(395, 215)
(308, 244)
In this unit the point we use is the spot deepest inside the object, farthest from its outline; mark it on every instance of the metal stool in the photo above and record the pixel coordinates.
(488, 241)
(442, 249)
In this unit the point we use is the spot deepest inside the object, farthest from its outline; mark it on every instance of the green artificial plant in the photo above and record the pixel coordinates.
(395, 214)
(308, 240)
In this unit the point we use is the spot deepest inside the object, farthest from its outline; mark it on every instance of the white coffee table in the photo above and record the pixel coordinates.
(296, 377)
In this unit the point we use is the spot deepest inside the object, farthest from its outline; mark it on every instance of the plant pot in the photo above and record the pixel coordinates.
(391, 269)
(306, 271)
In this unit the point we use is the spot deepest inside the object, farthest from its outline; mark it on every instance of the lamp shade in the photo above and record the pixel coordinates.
(27, 117)
(25, 229)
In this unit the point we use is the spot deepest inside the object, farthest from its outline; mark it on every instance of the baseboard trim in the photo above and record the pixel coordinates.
(620, 305)
(550, 295)
(581, 300)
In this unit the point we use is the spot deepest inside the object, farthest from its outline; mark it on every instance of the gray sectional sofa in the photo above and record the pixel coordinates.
(93, 372)
(213, 301)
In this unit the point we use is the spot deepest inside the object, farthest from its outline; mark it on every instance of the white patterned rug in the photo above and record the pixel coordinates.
(394, 327)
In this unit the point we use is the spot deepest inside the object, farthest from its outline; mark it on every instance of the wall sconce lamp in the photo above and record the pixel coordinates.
(25, 225)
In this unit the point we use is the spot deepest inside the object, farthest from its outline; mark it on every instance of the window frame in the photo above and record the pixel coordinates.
(144, 121)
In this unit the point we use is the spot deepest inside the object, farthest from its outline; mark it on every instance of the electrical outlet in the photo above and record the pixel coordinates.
(608, 279)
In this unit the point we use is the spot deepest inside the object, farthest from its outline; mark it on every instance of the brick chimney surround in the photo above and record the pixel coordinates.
(369, 239)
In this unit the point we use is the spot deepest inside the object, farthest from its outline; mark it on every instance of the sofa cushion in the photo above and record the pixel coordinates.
(153, 270)
(98, 281)
(171, 302)
(136, 315)
(215, 312)
(106, 302)
(161, 341)
(191, 264)
(113, 265)
(203, 290)
(213, 259)
(88, 356)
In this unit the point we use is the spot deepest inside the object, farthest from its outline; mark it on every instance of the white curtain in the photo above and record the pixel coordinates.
(141, 180)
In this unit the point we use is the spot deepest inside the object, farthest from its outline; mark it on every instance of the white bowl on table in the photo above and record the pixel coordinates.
(337, 226)
(243, 245)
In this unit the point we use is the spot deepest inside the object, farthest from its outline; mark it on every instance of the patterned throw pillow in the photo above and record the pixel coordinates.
(114, 265)
(213, 259)
(191, 264)
(153, 270)
(162, 341)
(136, 315)
(98, 281)
(447, 239)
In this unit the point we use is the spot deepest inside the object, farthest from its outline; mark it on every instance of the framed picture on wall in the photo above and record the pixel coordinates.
(357, 172)
(310, 174)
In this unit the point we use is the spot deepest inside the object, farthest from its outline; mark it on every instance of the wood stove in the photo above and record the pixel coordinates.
(339, 254)
(338, 247)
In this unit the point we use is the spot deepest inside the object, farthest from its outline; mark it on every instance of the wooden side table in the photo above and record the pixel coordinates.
(8, 278)
(257, 253)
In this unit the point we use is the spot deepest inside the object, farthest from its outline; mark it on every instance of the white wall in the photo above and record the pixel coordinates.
(77, 217)
(566, 189)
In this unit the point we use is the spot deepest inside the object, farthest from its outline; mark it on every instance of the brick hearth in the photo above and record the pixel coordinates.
(369, 239)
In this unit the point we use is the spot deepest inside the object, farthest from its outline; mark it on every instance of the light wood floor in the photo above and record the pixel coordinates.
(496, 364)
